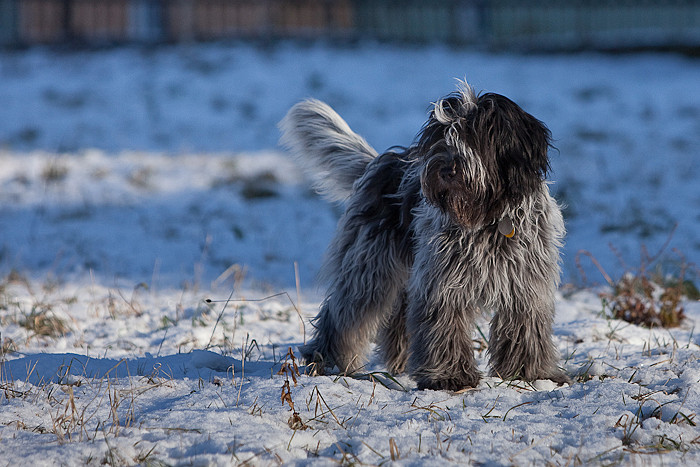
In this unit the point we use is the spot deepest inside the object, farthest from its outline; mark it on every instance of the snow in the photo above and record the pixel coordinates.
(627, 127)
(136, 184)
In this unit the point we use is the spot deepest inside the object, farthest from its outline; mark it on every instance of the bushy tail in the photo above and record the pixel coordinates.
(325, 146)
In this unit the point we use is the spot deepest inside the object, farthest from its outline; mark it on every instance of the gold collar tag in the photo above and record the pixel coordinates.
(505, 227)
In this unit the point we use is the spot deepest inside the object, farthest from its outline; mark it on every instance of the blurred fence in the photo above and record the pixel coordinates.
(525, 24)
(572, 24)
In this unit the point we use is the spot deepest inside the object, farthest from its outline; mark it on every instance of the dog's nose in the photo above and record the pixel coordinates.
(448, 171)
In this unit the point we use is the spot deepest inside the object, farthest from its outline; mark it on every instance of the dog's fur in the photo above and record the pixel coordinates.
(418, 251)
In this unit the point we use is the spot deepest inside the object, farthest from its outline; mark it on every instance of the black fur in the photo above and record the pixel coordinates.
(418, 252)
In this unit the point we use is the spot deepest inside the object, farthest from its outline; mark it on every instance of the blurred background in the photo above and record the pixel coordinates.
(511, 24)
(138, 138)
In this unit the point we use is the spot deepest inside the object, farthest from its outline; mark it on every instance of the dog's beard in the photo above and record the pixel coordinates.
(479, 157)
(446, 185)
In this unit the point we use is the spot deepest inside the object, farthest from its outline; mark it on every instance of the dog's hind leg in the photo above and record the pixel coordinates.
(367, 265)
(392, 341)
(366, 278)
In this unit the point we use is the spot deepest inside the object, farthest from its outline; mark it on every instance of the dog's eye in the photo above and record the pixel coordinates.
(445, 156)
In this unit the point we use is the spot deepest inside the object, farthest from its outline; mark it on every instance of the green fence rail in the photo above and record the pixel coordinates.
(527, 24)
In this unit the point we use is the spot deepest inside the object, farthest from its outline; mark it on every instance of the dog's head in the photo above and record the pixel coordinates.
(479, 155)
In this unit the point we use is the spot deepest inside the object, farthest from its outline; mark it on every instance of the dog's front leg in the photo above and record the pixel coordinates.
(520, 344)
(441, 352)
(440, 322)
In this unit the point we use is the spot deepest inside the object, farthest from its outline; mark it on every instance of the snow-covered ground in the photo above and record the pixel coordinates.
(136, 184)
(627, 129)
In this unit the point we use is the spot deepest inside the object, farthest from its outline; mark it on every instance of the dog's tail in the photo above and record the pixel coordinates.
(327, 149)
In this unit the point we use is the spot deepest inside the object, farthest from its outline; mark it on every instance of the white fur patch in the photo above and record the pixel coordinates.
(469, 99)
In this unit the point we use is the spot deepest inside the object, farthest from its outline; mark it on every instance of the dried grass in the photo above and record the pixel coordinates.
(645, 295)
(642, 301)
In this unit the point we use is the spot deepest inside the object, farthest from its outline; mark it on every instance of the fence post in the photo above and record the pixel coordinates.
(8, 22)
(145, 21)
(66, 21)
(161, 16)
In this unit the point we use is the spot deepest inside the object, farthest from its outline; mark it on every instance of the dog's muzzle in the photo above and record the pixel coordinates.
(445, 185)
(441, 178)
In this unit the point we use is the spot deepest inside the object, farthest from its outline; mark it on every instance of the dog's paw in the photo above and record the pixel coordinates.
(558, 377)
(396, 366)
(317, 363)
(452, 383)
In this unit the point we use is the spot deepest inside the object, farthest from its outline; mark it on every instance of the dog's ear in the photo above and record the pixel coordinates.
(527, 161)
(519, 144)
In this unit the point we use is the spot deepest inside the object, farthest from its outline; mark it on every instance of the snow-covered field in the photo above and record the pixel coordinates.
(136, 184)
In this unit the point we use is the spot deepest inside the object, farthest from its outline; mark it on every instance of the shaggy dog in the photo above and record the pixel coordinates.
(460, 221)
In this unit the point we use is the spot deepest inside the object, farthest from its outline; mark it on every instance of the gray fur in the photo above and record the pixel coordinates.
(366, 272)
(417, 254)
(326, 147)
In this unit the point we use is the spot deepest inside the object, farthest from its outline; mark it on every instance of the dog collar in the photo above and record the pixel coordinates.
(505, 227)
